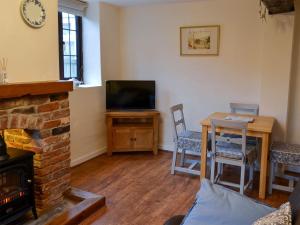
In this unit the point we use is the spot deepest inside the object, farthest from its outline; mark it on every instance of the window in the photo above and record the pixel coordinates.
(70, 46)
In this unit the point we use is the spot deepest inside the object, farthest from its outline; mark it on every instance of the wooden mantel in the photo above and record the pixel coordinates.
(15, 90)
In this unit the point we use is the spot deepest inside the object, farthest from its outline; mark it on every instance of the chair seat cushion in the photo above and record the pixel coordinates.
(285, 153)
(190, 141)
(233, 151)
(217, 205)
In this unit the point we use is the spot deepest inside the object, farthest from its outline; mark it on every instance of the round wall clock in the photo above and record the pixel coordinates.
(33, 13)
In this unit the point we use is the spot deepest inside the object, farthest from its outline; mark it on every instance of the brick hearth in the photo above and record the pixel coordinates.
(40, 122)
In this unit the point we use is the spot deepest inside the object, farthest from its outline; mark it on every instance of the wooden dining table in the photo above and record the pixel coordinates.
(261, 127)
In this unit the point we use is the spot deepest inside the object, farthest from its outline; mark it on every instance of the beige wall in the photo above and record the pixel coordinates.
(253, 66)
(32, 53)
(275, 69)
(110, 41)
(294, 110)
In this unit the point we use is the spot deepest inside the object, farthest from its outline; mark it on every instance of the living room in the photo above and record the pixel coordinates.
(256, 62)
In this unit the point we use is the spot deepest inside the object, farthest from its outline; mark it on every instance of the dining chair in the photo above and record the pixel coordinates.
(231, 151)
(249, 109)
(287, 155)
(184, 140)
(244, 108)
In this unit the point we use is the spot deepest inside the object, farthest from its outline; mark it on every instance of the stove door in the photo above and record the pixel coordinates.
(15, 190)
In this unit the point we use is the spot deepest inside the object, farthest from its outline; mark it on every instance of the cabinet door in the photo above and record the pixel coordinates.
(122, 138)
(143, 138)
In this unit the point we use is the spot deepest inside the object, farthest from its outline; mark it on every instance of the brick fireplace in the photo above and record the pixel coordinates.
(36, 117)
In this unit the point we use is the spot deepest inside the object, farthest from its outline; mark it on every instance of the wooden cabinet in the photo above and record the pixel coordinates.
(122, 138)
(132, 131)
(143, 138)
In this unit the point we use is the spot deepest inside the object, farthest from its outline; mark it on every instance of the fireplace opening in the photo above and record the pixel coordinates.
(16, 184)
(11, 187)
(3, 148)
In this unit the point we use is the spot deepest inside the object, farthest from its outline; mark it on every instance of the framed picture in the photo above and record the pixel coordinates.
(200, 40)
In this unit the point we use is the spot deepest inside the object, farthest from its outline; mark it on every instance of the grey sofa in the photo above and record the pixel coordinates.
(217, 205)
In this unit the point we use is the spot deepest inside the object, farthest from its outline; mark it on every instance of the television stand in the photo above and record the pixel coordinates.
(132, 131)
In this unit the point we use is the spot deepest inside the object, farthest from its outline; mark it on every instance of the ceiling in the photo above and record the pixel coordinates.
(140, 2)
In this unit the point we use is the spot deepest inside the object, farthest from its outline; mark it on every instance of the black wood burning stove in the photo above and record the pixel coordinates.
(16, 185)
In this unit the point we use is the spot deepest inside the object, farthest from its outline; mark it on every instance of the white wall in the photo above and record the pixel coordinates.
(294, 113)
(88, 133)
(88, 137)
(242, 73)
(91, 44)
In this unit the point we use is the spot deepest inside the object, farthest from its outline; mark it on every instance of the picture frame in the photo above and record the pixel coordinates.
(200, 40)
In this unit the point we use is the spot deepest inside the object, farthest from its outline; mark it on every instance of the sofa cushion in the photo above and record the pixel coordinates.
(282, 216)
(217, 205)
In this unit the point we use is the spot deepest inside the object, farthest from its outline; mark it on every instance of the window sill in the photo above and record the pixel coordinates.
(89, 85)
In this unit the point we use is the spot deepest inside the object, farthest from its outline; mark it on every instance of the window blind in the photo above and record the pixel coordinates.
(76, 7)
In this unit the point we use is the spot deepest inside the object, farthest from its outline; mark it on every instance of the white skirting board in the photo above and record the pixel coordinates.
(103, 150)
(87, 157)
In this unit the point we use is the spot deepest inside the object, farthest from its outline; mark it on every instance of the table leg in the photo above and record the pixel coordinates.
(155, 128)
(264, 165)
(204, 152)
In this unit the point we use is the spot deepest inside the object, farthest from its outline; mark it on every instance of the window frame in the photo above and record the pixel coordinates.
(79, 47)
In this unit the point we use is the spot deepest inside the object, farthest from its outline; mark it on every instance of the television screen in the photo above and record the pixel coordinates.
(130, 95)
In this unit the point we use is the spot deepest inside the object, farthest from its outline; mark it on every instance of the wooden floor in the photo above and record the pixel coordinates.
(140, 190)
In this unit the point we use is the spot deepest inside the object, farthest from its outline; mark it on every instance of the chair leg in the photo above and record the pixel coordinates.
(212, 170)
(242, 181)
(208, 166)
(271, 178)
(251, 175)
(220, 166)
(174, 160)
(182, 158)
(291, 183)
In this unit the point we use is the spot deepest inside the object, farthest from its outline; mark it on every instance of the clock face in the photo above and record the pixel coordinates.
(33, 13)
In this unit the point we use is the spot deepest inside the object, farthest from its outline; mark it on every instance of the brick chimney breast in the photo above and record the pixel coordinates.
(40, 122)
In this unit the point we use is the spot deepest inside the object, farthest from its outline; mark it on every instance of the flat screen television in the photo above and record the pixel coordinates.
(130, 95)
